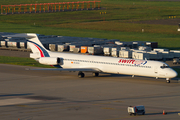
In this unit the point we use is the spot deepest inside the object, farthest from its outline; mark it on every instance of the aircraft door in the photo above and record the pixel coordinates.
(60, 61)
(156, 69)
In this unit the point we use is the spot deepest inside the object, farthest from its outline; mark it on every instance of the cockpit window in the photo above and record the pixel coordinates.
(164, 66)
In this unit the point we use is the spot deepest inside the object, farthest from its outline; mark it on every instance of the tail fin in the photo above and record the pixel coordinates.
(36, 46)
(33, 41)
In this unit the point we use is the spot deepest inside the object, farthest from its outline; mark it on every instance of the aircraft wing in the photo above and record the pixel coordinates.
(69, 69)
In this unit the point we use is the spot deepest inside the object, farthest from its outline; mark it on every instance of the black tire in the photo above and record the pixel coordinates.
(96, 74)
(81, 75)
(168, 81)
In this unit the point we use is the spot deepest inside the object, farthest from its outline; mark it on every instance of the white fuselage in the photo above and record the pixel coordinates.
(115, 65)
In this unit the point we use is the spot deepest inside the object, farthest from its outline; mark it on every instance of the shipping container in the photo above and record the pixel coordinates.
(107, 51)
(23, 45)
(61, 48)
(125, 48)
(71, 47)
(28, 47)
(155, 55)
(176, 53)
(52, 47)
(77, 50)
(145, 48)
(139, 55)
(3, 43)
(115, 48)
(95, 50)
(160, 49)
(125, 54)
(167, 55)
(115, 51)
(84, 49)
(13, 44)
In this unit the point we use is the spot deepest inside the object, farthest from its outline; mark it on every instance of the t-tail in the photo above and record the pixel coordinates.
(36, 46)
(34, 43)
(40, 53)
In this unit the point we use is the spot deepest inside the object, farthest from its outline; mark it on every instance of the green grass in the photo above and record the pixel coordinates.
(21, 61)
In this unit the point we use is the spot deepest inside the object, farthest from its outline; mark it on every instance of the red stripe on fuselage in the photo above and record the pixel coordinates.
(42, 55)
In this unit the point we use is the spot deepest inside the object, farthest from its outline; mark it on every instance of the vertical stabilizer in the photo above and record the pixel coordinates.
(36, 46)
(34, 43)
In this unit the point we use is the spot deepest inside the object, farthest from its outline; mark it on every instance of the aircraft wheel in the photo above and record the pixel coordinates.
(81, 75)
(95, 74)
(168, 81)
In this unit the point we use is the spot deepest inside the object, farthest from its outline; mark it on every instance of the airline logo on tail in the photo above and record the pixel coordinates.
(42, 51)
(135, 62)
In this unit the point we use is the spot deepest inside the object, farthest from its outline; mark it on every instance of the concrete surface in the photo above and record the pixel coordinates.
(53, 95)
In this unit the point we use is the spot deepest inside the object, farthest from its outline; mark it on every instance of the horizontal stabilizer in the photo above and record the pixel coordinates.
(24, 35)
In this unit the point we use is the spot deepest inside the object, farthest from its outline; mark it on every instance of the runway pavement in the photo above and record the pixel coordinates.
(53, 95)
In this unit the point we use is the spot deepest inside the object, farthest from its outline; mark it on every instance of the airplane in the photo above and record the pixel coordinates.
(94, 64)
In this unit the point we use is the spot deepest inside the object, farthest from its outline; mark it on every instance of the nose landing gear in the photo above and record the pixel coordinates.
(168, 80)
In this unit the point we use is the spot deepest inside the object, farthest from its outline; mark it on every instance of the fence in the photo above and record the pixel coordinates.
(50, 7)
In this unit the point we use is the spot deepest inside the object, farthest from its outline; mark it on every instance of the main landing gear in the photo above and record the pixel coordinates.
(81, 74)
(95, 74)
(168, 80)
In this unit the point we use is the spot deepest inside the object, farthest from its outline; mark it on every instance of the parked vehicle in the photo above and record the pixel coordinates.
(133, 110)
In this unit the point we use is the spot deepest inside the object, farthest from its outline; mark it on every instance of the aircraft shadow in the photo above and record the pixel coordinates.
(160, 113)
(13, 95)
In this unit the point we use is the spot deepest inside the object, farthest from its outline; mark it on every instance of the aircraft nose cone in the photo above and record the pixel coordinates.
(174, 74)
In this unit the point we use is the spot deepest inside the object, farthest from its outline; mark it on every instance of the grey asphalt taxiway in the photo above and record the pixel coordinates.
(54, 95)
